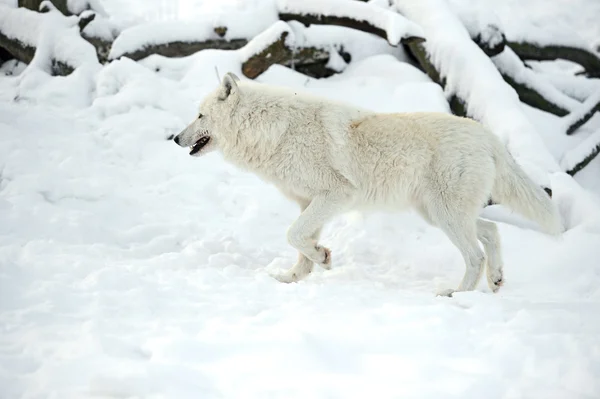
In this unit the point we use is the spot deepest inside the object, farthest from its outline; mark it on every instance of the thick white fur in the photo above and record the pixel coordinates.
(331, 157)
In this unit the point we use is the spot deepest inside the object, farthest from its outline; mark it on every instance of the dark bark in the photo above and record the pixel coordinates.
(531, 97)
(365, 26)
(34, 5)
(495, 43)
(183, 49)
(576, 124)
(529, 51)
(19, 50)
(310, 61)
(417, 50)
(585, 161)
(5, 55)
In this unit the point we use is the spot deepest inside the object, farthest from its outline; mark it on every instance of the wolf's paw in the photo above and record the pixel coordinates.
(447, 292)
(495, 279)
(286, 277)
(325, 255)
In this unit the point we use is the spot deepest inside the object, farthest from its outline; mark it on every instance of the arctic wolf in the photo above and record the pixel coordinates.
(331, 157)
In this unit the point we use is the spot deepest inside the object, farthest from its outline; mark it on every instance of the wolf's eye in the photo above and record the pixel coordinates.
(199, 116)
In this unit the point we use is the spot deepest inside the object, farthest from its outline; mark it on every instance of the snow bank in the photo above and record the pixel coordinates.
(394, 25)
(472, 76)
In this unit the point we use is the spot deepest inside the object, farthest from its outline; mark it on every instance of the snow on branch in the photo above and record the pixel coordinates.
(577, 118)
(357, 15)
(580, 156)
(532, 88)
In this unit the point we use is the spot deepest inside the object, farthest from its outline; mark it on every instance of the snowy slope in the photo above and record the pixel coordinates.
(130, 270)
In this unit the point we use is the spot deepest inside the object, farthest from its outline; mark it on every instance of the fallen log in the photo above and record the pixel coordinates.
(191, 39)
(278, 45)
(356, 15)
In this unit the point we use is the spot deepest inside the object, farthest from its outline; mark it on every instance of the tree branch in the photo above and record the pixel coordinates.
(577, 118)
(579, 157)
(530, 51)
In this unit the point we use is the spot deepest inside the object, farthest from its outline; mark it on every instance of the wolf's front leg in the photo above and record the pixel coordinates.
(304, 232)
(303, 266)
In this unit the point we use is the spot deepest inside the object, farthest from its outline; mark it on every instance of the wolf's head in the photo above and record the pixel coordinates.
(202, 135)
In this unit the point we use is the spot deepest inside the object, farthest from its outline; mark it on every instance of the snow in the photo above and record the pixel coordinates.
(560, 22)
(129, 269)
(79, 6)
(101, 27)
(395, 25)
(578, 87)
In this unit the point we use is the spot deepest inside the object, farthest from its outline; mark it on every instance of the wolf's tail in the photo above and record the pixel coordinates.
(515, 189)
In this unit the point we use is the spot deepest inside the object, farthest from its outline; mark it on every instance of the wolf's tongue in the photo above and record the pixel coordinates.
(199, 144)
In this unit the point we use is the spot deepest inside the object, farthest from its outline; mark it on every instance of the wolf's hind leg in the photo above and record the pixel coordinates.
(462, 231)
(487, 233)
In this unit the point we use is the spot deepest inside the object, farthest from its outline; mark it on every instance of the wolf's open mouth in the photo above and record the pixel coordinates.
(199, 144)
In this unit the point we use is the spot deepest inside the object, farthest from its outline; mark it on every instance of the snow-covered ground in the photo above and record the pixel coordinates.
(130, 270)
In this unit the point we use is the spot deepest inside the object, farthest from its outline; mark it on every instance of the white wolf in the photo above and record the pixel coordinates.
(330, 157)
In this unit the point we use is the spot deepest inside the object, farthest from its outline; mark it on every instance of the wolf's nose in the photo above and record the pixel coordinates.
(176, 140)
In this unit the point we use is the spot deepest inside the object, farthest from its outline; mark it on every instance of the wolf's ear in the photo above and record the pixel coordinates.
(228, 86)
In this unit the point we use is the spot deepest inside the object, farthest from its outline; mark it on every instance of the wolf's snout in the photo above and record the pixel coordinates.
(176, 140)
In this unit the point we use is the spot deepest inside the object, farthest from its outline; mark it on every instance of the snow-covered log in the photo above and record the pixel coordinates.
(357, 15)
(580, 156)
(584, 57)
(66, 7)
(577, 118)
(470, 75)
(285, 44)
(51, 37)
(172, 39)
